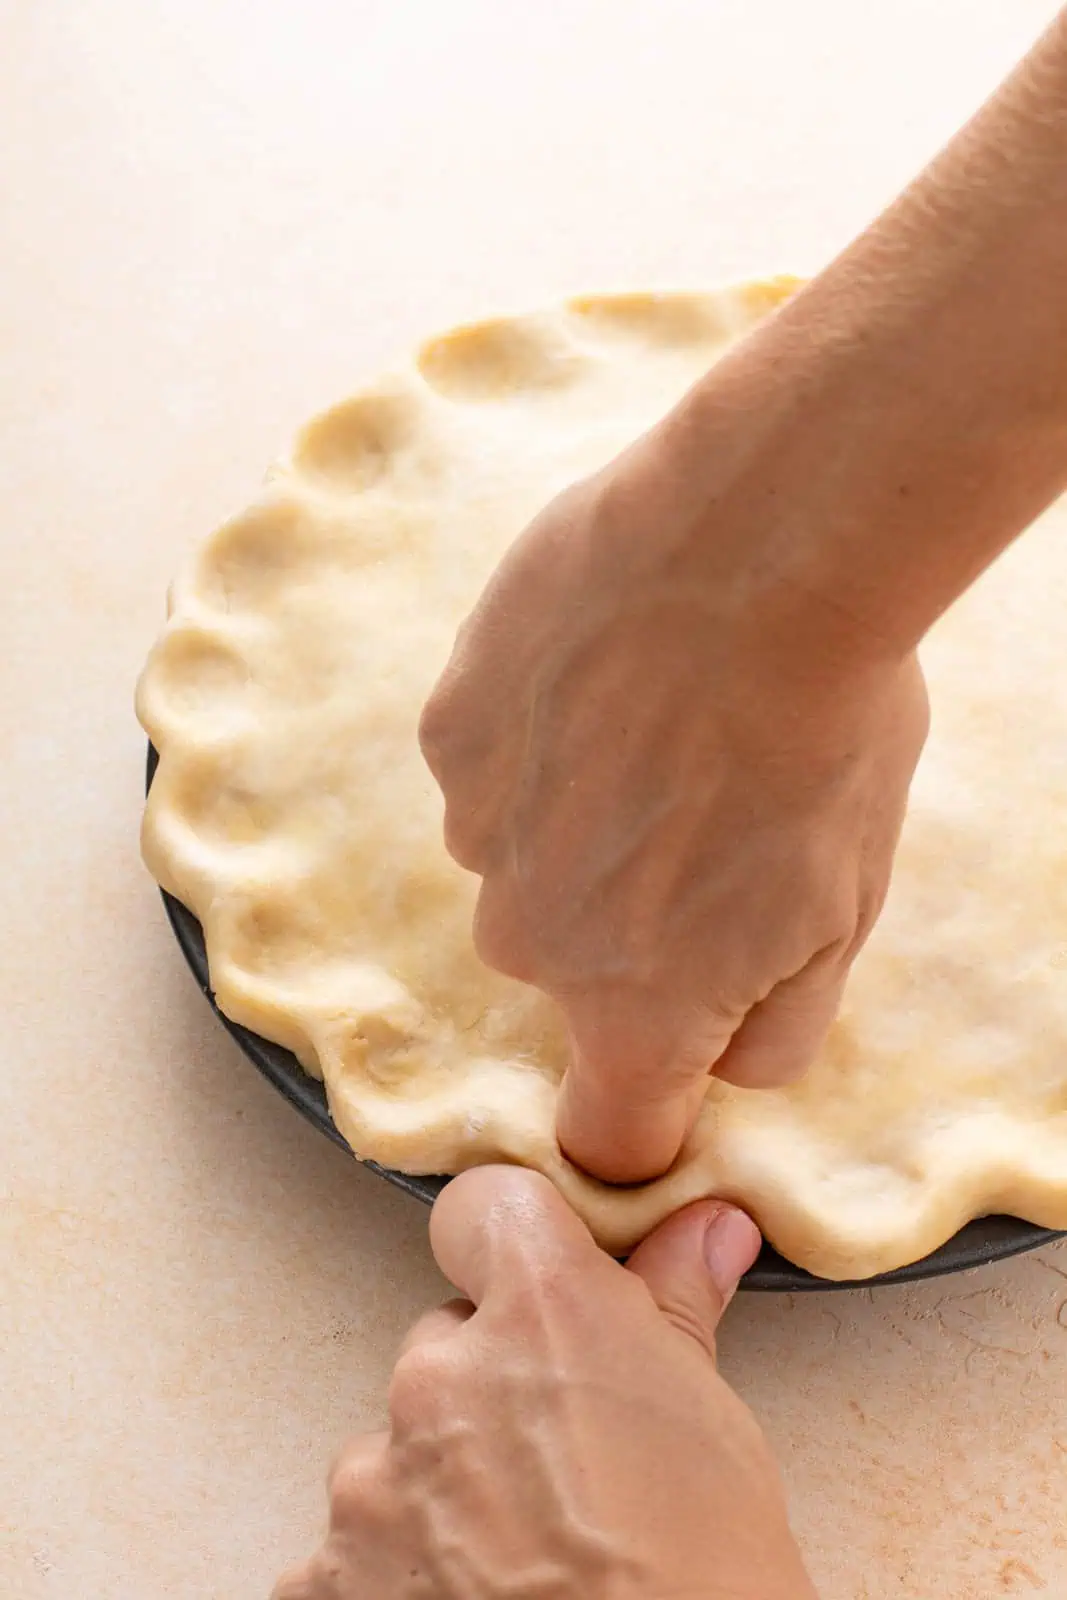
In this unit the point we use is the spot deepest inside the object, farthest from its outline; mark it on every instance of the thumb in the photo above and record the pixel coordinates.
(691, 1265)
(636, 1082)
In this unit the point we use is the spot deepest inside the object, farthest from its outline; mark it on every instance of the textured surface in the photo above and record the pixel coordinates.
(293, 814)
(216, 218)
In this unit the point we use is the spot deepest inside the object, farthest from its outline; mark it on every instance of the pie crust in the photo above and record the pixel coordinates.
(292, 813)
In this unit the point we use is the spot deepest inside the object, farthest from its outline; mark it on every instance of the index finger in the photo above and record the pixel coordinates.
(496, 1228)
(637, 1080)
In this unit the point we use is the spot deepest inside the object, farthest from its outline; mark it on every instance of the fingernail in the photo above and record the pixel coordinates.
(731, 1244)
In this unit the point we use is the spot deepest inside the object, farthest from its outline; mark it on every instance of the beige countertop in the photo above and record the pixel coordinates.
(215, 218)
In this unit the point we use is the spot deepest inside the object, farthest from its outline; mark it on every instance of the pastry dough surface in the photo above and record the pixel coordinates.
(291, 812)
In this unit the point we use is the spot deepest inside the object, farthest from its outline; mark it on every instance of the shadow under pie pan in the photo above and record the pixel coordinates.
(980, 1242)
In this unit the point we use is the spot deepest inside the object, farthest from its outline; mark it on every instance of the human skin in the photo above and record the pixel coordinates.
(675, 739)
(676, 736)
(563, 1431)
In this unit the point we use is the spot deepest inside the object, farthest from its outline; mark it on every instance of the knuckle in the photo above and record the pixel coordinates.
(499, 933)
(464, 840)
(867, 914)
(456, 731)
(436, 724)
(328, 1574)
(294, 1584)
(346, 1497)
(416, 1385)
(688, 1321)
(347, 1487)
(432, 738)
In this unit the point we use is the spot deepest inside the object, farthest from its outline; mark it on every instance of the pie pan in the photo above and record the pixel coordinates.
(984, 1240)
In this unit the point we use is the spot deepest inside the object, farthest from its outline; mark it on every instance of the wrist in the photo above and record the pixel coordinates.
(863, 461)
(777, 527)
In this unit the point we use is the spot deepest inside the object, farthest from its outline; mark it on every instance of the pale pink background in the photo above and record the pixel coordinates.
(215, 218)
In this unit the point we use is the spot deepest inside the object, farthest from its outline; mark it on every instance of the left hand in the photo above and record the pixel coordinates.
(563, 1432)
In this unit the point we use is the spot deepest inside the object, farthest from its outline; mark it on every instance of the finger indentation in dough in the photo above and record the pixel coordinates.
(667, 319)
(251, 558)
(494, 360)
(224, 811)
(196, 673)
(356, 444)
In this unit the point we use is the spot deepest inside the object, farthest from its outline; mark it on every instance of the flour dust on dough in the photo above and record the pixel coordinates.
(292, 813)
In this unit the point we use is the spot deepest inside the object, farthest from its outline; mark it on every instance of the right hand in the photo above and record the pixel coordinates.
(681, 775)
(563, 1432)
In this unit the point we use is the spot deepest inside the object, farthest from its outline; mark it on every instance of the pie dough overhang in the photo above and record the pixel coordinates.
(292, 814)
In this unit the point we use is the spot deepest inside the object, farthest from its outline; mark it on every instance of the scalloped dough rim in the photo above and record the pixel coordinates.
(814, 1241)
(954, 1190)
(966, 1174)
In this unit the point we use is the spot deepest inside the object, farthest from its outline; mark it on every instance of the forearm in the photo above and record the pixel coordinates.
(911, 403)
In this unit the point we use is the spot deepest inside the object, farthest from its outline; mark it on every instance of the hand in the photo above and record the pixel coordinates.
(681, 775)
(564, 1431)
(676, 736)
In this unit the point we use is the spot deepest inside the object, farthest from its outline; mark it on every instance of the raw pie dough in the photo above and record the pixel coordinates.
(292, 814)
